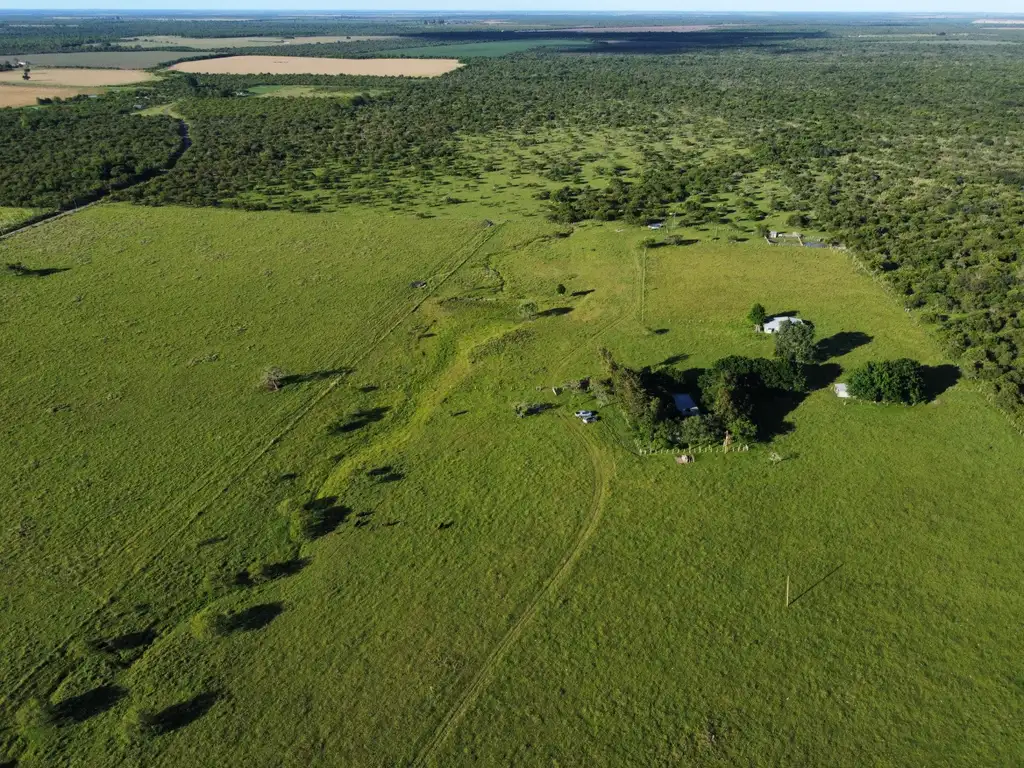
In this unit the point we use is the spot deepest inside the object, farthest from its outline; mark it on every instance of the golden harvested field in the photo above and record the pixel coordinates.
(216, 43)
(88, 78)
(25, 96)
(308, 65)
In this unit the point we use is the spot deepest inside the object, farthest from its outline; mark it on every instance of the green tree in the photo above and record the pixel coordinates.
(757, 315)
(888, 381)
(795, 342)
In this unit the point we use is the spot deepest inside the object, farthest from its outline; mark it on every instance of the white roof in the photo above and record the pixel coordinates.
(776, 323)
(842, 390)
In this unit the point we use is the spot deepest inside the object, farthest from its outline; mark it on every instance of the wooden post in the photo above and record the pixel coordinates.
(787, 590)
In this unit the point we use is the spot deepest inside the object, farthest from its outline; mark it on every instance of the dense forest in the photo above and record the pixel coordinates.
(907, 153)
(67, 156)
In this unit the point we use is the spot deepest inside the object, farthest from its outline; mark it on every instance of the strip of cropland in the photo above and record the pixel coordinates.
(306, 65)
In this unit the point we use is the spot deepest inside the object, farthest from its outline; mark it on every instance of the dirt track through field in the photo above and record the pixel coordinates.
(309, 65)
(603, 469)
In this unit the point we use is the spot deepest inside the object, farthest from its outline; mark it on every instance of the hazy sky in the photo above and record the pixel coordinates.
(989, 7)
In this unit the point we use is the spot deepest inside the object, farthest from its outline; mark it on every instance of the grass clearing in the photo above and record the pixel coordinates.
(306, 65)
(614, 608)
(10, 217)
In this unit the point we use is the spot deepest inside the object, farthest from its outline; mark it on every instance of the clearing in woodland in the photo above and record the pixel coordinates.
(306, 65)
(617, 608)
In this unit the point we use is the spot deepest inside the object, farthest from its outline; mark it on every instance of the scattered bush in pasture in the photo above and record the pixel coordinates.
(139, 724)
(36, 721)
(889, 381)
(795, 342)
(528, 310)
(209, 624)
(560, 289)
(272, 379)
(306, 521)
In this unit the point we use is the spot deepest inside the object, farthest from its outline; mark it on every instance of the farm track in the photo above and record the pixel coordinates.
(212, 476)
(603, 469)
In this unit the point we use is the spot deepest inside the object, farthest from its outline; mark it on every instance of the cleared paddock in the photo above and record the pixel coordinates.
(309, 65)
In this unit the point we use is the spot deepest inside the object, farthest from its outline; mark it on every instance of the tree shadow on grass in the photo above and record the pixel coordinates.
(582, 293)
(555, 312)
(841, 343)
(360, 419)
(20, 270)
(386, 474)
(821, 375)
(938, 378)
(327, 515)
(129, 641)
(80, 708)
(179, 715)
(302, 378)
(256, 617)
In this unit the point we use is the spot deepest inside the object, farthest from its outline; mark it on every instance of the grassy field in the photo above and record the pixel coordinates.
(497, 48)
(489, 590)
(9, 217)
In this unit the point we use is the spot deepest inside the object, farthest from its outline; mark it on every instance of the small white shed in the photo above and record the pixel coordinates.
(842, 390)
(773, 325)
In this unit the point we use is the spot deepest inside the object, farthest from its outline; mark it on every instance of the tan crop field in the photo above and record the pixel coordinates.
(216, 43)
(89, 78)
(308, 65)
(25, 96)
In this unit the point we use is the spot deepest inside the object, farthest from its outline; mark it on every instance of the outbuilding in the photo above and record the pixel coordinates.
(842, 390)
(685, 404)
(775, 324)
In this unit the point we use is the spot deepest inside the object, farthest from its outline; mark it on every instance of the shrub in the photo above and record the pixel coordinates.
(36, 720)
(139, 724)
(209, 623)
(560, 289)
(528, 310)
(889, 381)
(272, 379)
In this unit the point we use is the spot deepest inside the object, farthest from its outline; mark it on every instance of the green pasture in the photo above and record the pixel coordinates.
(491, 590)
(472, 50)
